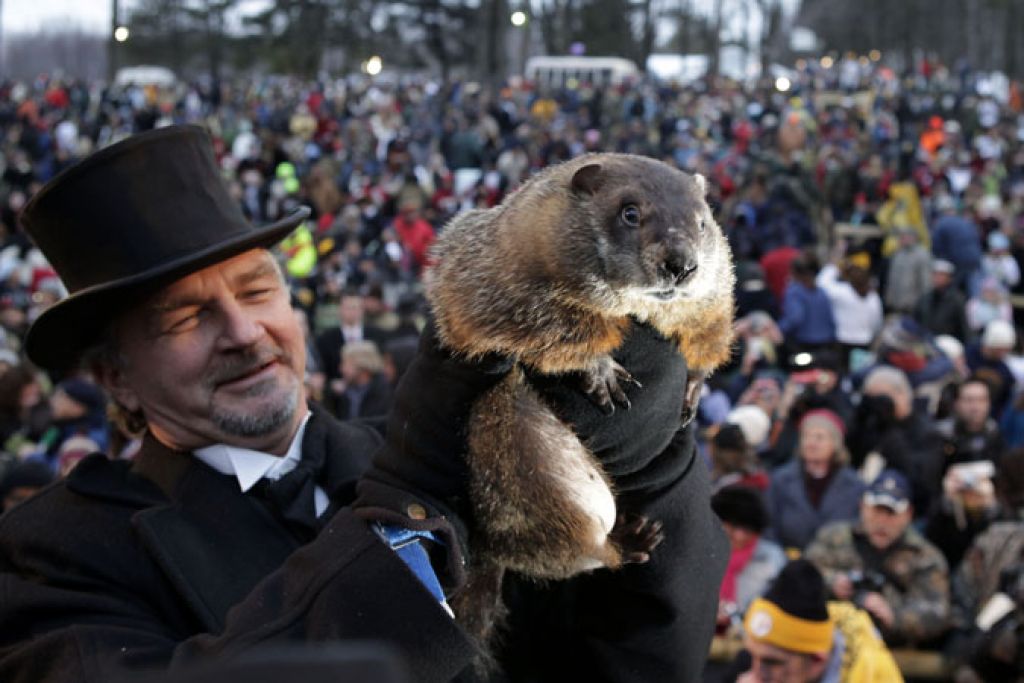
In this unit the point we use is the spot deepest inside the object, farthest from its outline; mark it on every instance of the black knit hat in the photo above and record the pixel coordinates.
(741, 506)
(799, 590)
(129, 219)
(730, 436)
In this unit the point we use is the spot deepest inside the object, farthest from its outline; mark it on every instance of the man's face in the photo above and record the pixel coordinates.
(216, 357)
(883, 525)
(972, 405)
(350, 310)
(772, 664)
(995, 352)
(940, 280)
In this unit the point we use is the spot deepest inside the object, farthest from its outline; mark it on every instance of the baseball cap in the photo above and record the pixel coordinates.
(890, 489)
(943, 266)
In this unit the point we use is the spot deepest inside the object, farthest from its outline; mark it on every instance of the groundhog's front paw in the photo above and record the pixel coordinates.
(691, 398)
(601, 382)
(636, 537)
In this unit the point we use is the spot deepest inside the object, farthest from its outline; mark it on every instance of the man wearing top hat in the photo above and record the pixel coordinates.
(250, 518)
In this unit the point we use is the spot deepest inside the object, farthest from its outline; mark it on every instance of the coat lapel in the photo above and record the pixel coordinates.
(213, 543)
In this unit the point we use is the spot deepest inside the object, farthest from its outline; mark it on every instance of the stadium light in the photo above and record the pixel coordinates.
(374, 65)
(121, 34)
(782, 84)
(518, 18)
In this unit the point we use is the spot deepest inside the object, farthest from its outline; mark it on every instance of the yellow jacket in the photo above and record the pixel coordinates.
(866, 659)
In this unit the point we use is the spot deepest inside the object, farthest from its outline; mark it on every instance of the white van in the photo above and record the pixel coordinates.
(556, 72)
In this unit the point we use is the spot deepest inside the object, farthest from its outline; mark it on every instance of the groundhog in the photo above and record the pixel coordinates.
(552, 278)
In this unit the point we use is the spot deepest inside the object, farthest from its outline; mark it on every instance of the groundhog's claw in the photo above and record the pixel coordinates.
(691, 398)
(602, 382)
(636, 537)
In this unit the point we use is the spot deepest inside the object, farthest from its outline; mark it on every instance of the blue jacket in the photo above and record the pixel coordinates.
(794, 521)
(955, 239)
(807, 315)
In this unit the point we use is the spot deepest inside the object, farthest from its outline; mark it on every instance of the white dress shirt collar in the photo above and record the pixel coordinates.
(250, 466)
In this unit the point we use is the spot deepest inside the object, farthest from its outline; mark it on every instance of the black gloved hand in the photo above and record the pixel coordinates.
(419, 478)
(628, 442)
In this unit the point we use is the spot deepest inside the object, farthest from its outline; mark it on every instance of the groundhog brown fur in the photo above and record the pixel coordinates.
(552, 278)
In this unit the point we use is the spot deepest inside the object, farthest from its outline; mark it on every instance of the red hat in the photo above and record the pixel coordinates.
(829, 415)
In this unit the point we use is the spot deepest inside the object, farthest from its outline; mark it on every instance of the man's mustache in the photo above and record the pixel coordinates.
(239, 364)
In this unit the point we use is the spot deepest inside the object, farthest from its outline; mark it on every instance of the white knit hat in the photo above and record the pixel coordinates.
(752, 421)
(999, 334)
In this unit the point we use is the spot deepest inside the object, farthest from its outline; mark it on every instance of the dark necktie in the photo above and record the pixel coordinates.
(292, 496)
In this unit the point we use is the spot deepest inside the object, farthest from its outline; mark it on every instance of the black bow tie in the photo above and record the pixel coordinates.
(292, 497)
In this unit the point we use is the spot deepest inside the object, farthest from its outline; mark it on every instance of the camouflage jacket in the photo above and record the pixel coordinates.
(977, 578)
(916, 582)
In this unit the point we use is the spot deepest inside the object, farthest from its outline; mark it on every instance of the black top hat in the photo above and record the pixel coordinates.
(128, 220)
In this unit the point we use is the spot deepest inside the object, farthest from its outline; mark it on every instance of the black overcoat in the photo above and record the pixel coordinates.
(164, 560)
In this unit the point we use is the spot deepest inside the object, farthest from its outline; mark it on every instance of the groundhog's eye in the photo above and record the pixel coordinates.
(630, 215)
(701, 227)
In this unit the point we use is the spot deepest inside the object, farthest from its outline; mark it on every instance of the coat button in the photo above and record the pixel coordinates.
(416, 511)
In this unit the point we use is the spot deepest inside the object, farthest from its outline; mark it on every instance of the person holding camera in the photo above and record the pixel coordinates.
(883, 565)
(886, 432)
(983, 601)
(971, 446)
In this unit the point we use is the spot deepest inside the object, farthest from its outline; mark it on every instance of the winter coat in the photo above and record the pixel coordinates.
(794, 521)
(162, 561)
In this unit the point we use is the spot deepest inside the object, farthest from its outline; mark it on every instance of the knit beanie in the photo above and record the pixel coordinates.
(793, 614)
(741, 506)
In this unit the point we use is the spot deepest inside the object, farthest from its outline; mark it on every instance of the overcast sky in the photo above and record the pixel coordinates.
(94, 15)
(30, 15)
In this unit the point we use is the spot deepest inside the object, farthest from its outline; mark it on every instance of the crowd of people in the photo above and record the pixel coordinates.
(872, 418)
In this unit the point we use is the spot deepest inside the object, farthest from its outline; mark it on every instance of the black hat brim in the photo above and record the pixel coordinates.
(59, 335)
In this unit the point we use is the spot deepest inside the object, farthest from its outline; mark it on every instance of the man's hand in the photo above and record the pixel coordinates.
(880, 608)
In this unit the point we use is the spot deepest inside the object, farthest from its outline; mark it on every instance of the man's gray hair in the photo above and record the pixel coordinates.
(894, 378)
(105, 353)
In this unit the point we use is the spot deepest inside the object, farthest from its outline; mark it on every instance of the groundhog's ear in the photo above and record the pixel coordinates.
(587, 180)
(702, 184)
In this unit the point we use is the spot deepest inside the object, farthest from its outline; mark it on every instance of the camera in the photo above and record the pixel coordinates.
(864, 582)
(973, 474)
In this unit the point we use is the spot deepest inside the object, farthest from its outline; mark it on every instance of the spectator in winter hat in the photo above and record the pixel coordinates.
(793, 634)
(987, 360)
(816, 486)
(754, 560)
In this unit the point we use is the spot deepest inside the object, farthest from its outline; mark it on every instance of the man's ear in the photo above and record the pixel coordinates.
(115, 383)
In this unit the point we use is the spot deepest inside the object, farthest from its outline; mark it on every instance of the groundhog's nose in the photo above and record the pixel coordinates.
(680, 265)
